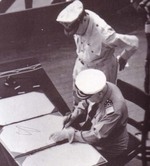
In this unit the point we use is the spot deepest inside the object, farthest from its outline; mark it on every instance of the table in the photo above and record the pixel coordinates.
(30, 110)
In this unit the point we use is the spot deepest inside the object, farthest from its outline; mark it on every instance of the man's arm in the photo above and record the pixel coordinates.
(128, 44)
(77, 115)
(97, 132)
(94, 135)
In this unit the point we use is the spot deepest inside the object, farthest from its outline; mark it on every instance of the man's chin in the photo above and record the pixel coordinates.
(69, 33)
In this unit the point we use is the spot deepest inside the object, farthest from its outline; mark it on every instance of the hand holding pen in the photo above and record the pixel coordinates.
(67, 121)
(62, 135)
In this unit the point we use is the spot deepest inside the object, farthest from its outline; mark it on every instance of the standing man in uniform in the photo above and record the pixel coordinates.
(100, 118)
(95, 41)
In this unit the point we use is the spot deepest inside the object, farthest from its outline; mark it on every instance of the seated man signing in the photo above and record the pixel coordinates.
(100, 116)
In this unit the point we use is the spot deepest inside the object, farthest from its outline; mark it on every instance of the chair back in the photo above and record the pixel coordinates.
(141, 99)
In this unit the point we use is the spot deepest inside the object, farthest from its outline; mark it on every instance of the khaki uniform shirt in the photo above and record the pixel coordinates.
(108, 131)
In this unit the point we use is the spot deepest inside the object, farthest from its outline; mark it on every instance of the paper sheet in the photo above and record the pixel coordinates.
(76, 154)
(25, 106)
(32, 134)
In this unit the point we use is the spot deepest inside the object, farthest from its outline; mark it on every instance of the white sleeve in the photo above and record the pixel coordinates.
(128, 44)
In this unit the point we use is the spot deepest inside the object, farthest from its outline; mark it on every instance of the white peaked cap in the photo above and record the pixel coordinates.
(71, 12)
(90, 81)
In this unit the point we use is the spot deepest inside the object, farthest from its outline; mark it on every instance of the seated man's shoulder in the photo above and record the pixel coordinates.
(115, 91)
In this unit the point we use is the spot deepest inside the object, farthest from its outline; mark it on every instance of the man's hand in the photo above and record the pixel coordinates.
(68, 120)
(122, 63)
(59, 136)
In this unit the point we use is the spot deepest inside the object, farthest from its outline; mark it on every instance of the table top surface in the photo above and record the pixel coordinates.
(32, 126)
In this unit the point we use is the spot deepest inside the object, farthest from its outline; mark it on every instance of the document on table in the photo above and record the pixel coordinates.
(25, 106)
(75, 154)
(25, 136)
(33, 135)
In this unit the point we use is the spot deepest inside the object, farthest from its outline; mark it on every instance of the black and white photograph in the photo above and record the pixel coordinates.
(74, 82)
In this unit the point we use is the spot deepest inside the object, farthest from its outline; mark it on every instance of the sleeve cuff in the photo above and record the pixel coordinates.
(126, 54)
(70, 134)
